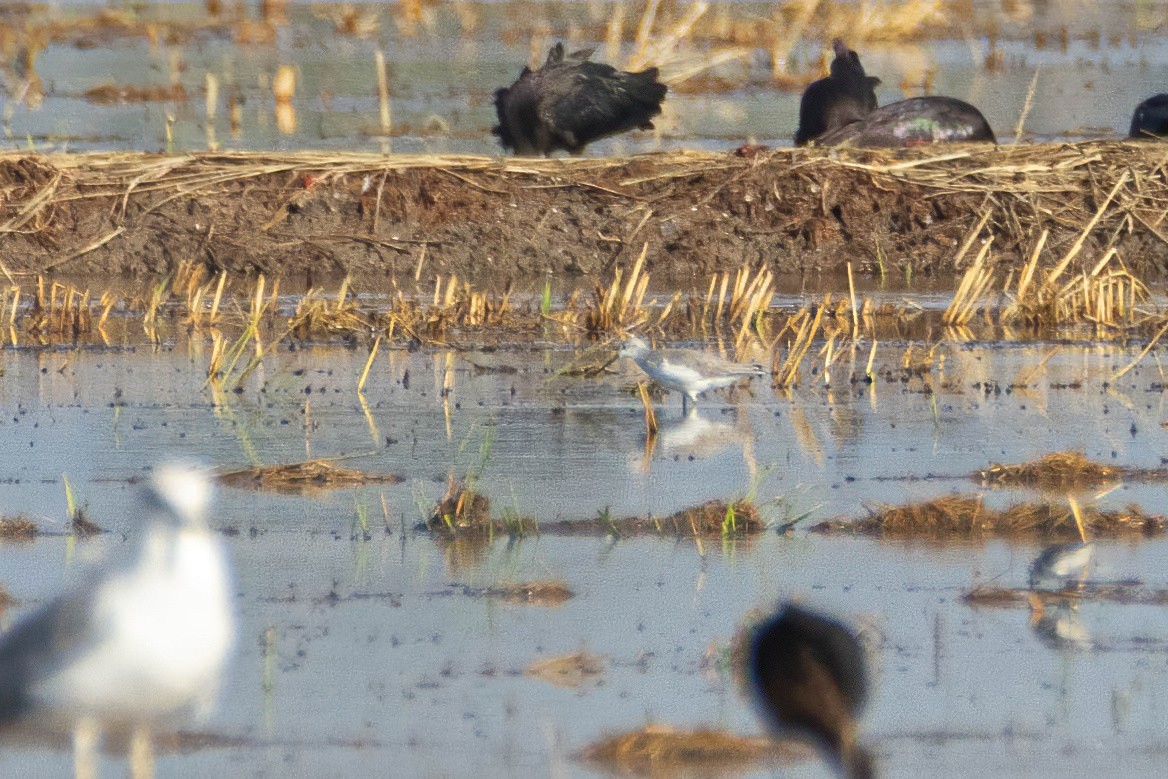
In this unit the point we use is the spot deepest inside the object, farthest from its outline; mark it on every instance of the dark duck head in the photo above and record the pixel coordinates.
(843, 97)
(1150, 118)
(570, 102)
(809, 676)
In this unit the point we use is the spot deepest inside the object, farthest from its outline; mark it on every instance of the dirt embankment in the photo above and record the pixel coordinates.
(798, 211)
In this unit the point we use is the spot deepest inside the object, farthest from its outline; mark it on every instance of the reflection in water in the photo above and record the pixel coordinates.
(697, 437)
(1061, 626)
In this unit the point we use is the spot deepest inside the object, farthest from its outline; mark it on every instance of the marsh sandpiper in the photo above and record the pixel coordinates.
(686, 370)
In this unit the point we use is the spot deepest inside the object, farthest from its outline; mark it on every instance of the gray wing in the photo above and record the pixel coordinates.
(39, 645)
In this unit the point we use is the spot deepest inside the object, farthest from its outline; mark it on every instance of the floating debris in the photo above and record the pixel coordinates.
(567, 670)
(967, 517)
(302, 478)
(660, 750)
(82, 526)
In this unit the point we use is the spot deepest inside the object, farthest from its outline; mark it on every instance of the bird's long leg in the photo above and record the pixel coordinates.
(141, 753)
(85, 737)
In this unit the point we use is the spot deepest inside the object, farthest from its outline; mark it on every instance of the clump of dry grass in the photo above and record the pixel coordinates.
(620, 305)
(660, 750)
(570, 671)
(17, 529)
(303, 478)
(1059, 471)
(316, 315)
(962, 517)
(547, 593)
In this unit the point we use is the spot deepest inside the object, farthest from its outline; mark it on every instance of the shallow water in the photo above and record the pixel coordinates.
(359, 656)
(1095, 64)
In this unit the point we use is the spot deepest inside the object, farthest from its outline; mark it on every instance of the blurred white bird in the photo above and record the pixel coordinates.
(135, 647)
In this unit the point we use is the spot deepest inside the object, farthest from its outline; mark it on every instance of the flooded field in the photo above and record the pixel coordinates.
(193, 76)
(369, 644)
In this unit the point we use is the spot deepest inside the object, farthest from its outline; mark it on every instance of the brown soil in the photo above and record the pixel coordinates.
(794, 211)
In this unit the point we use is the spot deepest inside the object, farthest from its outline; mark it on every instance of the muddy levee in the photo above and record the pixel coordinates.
(308, 214)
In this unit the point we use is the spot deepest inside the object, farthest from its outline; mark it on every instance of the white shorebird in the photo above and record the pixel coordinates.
(1061, 565)
(687, 370)
(135, 647)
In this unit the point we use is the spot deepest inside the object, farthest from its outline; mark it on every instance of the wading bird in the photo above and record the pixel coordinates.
(686, 370)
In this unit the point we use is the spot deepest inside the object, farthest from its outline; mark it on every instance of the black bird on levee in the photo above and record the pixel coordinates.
(810, 677)
(845, 96)
(570, 102)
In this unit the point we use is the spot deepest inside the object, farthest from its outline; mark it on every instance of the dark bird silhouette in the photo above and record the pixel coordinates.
(570, 102)
(917, 121)
(809, 676)
(1150, 118)
(843, 97)
(841, 109)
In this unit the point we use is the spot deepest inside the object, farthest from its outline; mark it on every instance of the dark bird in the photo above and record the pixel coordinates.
(1150, 118)
(570, 102)
(918, 121)
(831, 115)
(843, 97)
(809, 676)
